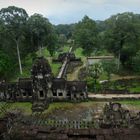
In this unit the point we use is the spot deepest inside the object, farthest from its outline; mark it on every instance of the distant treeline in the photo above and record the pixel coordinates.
(21, 35)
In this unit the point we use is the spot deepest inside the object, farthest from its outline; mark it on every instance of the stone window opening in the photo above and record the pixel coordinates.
(17, 95)
(68, 94)
(54, 94)
(75, 96)
(60, 94)
(29, 94)
(24, 94)
(41, 94)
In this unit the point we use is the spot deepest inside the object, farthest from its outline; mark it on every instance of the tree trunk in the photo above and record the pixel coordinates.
(40, 50)
(119, 55)
(19, 60)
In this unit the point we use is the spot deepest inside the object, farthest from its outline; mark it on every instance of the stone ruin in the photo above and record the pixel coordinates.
(71, 56)
(42, 87)
(42, 76)
(72, 61)
(115, 116)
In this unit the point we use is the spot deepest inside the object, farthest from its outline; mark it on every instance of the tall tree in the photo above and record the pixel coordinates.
(65, 29)
(136, 62)
(14, 20)
(122, 35)
(41, 32)
(109, 67)
(5, 65)
(85, 35)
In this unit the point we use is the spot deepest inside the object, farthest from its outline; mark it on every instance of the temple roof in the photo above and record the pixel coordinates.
(25, 83)
(60, 83)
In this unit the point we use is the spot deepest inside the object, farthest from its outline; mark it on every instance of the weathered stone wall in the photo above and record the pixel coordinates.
(42, 133)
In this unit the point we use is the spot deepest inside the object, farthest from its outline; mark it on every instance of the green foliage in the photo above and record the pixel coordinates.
(21, 35)
(55, 68)
(136, 62)
(122, 35)
(135, 89)
(133, 86)
(51, 43)
(62, 39)
(79, 52)
(65, 30)
(85, 35)
(14, 22)
(41, 33)
(5, 66)
(92, 86)
(95, 70)
(14, 19)
(109, 67)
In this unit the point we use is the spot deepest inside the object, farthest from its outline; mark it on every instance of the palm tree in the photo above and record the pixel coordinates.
(94, 71)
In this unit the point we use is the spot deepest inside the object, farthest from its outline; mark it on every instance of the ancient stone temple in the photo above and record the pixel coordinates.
(41, 76)
(46, 86)
(42, 79)
(42, 87)
(69, 90)
(114, 116)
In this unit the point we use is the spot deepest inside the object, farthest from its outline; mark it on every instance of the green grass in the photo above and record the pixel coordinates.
(59, 106)
(25, 107)
(67, 105)
(65, 48)
(55, 68)
(130, 88)
(45, 52)
(78, 52)
(27, 63)
(130, 102)
(136, 89)
(103, 76)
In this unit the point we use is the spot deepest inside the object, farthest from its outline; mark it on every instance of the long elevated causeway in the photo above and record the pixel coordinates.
(64, 67)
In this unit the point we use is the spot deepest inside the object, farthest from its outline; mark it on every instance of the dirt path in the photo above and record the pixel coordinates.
(110, 96)
(74, 75)
(123, 77)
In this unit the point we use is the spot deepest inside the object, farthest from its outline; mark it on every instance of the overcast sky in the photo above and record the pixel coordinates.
(70, 11)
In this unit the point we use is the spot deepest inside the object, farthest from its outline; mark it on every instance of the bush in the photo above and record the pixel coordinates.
(92, 86)
(136, 63)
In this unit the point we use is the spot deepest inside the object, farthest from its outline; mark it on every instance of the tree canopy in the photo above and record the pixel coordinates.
(41, 32)
(122, 35)
(14, 20)
(85, 35)
(21, 35)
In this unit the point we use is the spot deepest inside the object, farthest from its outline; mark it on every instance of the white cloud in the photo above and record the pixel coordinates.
(64, 11)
